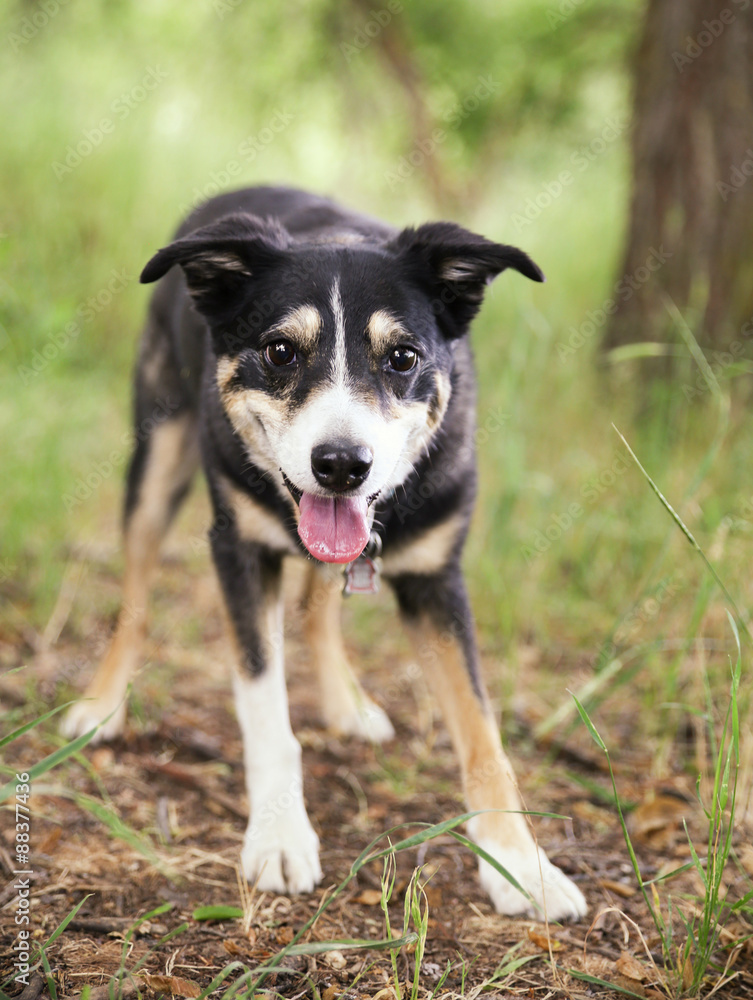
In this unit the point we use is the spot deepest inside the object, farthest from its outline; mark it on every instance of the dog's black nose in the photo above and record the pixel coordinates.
(341, 467)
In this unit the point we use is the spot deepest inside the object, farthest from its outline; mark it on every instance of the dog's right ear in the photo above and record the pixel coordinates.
(220, 258)
(455, 266)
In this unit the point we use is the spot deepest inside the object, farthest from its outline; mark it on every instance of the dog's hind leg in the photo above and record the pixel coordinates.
(436, 611)
(162, 466)
(345, 706)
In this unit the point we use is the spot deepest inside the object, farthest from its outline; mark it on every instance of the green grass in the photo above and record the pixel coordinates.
(691, 938)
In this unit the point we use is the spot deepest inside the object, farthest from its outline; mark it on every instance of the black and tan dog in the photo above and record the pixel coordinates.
(316, 362)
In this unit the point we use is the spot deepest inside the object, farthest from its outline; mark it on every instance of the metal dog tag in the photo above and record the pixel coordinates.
(362, 576)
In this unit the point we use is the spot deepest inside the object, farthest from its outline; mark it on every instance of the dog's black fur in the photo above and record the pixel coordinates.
(292, 257)
(254, 265)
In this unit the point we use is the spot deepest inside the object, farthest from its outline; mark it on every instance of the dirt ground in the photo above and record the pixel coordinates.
(176, 779)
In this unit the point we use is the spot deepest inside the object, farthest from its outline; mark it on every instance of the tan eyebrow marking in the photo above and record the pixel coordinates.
(384, 331)
(302, 324)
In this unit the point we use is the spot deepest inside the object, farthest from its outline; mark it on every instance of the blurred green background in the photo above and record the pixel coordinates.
(118, 116)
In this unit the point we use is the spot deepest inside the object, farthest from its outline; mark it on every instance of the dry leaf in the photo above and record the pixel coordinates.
(102, 758)
(331, 993)
(335, 959)
(369, 897)
(687, 972)
(746, 858)
(232, 948)
(626, 983)
(629, 966)
(658, 819)
(388, 993)
(172, 986)
(542, 941)
(50, 841)
(434, 895)
(618, 888)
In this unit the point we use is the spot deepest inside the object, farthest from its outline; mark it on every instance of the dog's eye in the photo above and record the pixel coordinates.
(280, 353)
(402, 359)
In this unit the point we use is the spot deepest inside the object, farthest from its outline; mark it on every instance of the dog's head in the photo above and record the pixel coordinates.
(334, 358)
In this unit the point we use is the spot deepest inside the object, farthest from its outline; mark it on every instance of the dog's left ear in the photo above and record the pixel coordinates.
(220, 258)
(456, 265)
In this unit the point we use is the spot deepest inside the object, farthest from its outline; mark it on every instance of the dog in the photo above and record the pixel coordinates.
(316, 363)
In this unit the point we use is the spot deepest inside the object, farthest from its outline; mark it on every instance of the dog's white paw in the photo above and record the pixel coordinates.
(364, 720)
(555, 893)
(90, 712)
(282, 853)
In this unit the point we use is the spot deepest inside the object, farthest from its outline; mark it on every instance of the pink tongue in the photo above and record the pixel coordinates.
(334, 529)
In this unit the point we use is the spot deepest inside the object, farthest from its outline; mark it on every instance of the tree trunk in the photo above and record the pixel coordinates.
(690, 233)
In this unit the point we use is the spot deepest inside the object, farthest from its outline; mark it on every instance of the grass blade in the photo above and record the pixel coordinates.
(688, 534)
(352, 944)
(584, 976)
(217, 913)
(589, 725)
(30, 725)
(65, 921)
(50, 761)
(481, 853)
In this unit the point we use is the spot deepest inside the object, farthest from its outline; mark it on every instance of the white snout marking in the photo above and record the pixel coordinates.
(334, 412)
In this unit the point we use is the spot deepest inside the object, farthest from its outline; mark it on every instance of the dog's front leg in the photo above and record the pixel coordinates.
(438, 617)
(281, 849)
